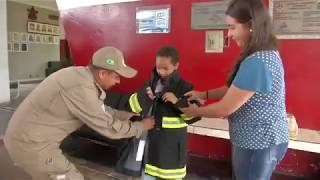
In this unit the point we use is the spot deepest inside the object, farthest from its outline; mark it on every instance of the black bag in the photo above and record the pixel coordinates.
(128, 163)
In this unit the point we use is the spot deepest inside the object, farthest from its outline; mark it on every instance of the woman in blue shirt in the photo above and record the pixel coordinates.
(254, 96)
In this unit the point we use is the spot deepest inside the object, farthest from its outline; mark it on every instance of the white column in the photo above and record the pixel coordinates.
(4, 67)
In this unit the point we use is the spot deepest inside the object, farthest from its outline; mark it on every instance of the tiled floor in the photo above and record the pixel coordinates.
(91, 170)
(7, 170)
(96, 162)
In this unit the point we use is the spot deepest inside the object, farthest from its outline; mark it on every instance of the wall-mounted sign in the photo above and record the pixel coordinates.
(23, 37)
(296, 19)
(209, 15)
(214, 42)
(153, 19)
(20, 41)
(43, 28)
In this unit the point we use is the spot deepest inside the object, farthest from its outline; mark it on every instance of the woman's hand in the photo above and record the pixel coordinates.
(190, 111)
(195, 95)
(233, 99)
(169, 97)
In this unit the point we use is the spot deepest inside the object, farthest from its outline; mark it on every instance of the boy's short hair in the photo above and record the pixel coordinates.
(169, 51)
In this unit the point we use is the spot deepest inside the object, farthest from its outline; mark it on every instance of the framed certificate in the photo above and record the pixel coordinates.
(153, 19)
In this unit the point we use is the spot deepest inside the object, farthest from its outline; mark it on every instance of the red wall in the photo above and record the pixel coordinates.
(90, 28)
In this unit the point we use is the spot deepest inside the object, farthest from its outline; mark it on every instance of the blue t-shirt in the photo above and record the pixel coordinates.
(261, 122)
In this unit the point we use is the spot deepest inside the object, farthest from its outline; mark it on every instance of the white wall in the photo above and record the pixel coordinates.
(4, 70)
(46, 4)
(31, 64)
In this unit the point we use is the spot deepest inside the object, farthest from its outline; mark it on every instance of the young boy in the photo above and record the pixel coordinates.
(161, 96)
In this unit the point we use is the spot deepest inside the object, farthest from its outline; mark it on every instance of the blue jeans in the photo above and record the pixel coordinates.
(256, 164)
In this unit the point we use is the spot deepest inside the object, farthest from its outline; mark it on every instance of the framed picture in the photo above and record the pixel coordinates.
(209, 15)
(44, 39)
(38, 27)
(295, 19)
(16, 37)
(55, 30)
(24, 47)
(16, 47)
(56, 39)
(42, 28)
(50, 39)
(10, 47)
(38, 38)
(23, 37)
(214, 42)
(31, 27)
(49, 29)
(153, 19)
(31, 38)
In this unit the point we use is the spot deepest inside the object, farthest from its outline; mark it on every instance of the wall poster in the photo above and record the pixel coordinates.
(296, 19)
(209, 15)
(153, 19)
(214, 42)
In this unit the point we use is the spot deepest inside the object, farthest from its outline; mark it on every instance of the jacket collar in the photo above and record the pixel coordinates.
(169, 82)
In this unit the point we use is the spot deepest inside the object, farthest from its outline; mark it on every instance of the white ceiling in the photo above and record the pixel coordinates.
(66, 4)
(47, 4)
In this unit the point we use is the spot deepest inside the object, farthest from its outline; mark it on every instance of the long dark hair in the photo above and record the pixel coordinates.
(256, 15)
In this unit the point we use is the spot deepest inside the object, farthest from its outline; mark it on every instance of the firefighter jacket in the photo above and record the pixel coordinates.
(167, 142)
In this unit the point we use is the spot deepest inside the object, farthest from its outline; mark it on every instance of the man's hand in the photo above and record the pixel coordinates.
(150, 93)
(127, 115)
(148, 123)
(170, 97)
